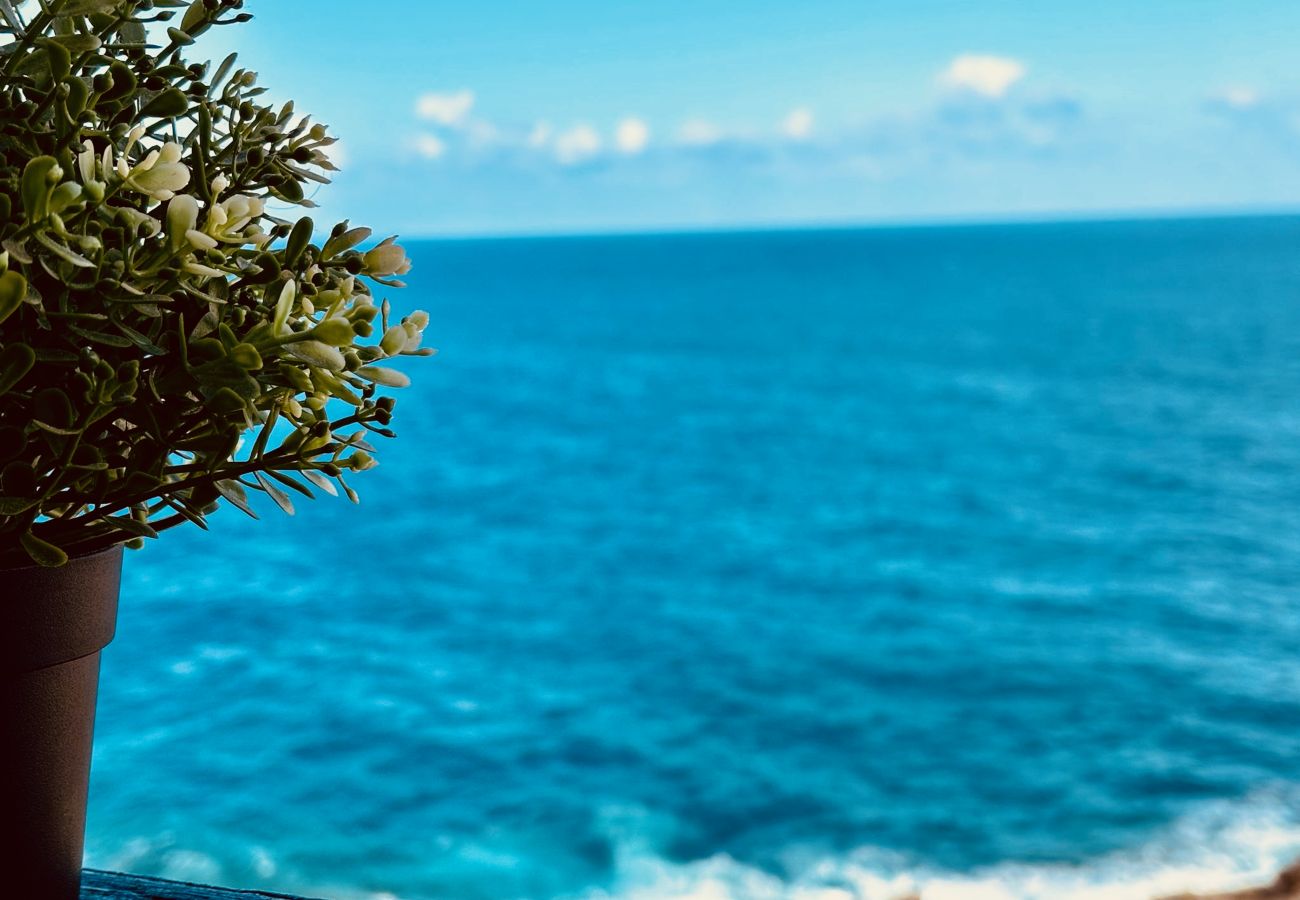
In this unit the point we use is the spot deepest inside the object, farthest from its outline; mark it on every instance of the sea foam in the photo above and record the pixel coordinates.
(1220, 846)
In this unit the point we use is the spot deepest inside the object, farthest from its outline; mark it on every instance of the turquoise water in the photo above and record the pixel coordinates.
(758, 565)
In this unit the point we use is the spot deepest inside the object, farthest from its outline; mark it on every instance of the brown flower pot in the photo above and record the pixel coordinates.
(53, 623)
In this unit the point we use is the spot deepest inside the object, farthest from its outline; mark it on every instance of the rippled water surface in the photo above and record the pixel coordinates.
(745, 565)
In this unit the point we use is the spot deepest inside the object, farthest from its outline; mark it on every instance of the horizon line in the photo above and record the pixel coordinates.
(974, 220)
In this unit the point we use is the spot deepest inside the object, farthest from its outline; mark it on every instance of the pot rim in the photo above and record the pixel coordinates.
(53, 615)
(116, 548)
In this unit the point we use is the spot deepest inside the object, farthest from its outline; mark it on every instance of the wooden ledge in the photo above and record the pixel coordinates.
(97, 885)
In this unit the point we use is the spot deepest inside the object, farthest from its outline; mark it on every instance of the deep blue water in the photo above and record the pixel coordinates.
(749, 564)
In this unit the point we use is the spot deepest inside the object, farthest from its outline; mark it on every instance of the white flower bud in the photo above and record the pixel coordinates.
(393, 341)
(386, 377)
(171, 153)
(159, 176)
(360, 461)
(200, 269)
(182, 216)
(134, 135)
(386, 259)
(413, 336)
(336, 332)
(86, 162)
(138, 219)
(200, 240)
(317, 354)
(282, 307)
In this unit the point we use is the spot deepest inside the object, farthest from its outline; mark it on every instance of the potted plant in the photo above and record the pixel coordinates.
(170, 338)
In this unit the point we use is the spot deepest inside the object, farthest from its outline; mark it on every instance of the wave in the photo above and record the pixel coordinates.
(1220, 846)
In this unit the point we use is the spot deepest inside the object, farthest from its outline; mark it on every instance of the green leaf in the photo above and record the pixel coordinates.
(147, 305)
(58, 59)
(52, 405)
(13, 290)
(298, 240)
(12, 442)
(283, 306)
(345, 241)
(34, 66)
(63, 252)
(12, 506)
(85, 7)
(289, 482)
(139, 339)
(78, 97)
(246, 357)
(290, 191)
(280, 497)
(335, 331)
(16, 360)
(36, 187)
(124, 81)
(317, 354)
(193, 16)
(223, 70)
(225, 373)
(99, 337)
(224, 401)
(133, 32)
(233, 491)
(54, 429)
(320, 481)
(171, 102)
(131, 526)
(43, 553)
(179, 38)
(51, 355)
(16, 249)
(18, 479)
(187, 509)
(78, 42)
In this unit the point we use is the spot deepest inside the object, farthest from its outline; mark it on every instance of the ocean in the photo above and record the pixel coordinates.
(811, 564)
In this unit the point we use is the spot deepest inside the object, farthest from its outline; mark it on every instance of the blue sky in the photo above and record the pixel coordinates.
(575, 116)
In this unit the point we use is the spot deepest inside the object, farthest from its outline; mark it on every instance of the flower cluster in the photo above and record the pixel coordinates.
(168, 337)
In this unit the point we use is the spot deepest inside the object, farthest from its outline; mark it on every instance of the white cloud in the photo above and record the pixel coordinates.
(577, 144)
(699, 133)
(337, 153)
(445, 109)
(632, 135)
(1238, 97)
(989, 76)
(429, 146)
(540, 136)
(482, 134)
(798, 124)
